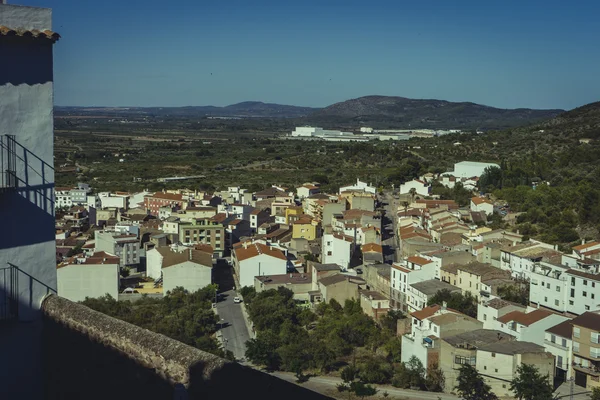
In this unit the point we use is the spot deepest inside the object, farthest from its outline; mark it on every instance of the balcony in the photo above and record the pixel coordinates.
(8, 163)
(9, 285)
(592, 370)
(557, 345)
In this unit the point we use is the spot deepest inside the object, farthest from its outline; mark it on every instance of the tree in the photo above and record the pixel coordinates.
(413, 193)
(362, 390)
(416, 372)
(435, 380)
(405, 205)
(263, 350)
(595, 393)
(490, 180)
(529, 384)
(466, 303)
(470, 385)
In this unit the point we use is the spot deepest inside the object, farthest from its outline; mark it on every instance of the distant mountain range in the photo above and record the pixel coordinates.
(374, 111)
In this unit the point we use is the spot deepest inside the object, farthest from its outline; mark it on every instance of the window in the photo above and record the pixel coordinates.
(328, 243)
(595, 337)
(559, 360)
(435, 329)
(571, 302)
(470, 284)
(495, 369)
(504, 386)
(493, 354)
(557, 288)
(329, 253)
(592, 295)
(405, 278)
(594, 352)
(584, 282)
(485, 367)
(564, 343)
(587, 308)
(576, 332)
(556, 302)
(572, 281)
(545, 299)
(584, 294)
(593, 284)
(553, 338)
(575, 345)
(572, 292)
(460, 280)
(548, 285)
(485, 317)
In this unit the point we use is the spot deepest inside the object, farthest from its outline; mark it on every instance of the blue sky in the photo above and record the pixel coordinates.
(538, 54)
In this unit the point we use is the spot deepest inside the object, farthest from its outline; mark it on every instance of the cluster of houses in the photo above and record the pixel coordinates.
(325, 246)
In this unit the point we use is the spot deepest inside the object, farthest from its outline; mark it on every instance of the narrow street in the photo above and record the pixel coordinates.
(391, 251)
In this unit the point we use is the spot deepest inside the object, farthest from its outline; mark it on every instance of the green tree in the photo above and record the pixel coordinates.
(466, 303)
(529, 384)
(362, 390)
(263, 350)
(491, 179)
(470, 385)
(435, 380)
(416, 372)
(595, 393)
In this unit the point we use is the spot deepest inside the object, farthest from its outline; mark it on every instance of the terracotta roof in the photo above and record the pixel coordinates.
(451, 238)
(426, 312)
(256, 211)
(586, 246)
(167, 196)
(32, 33)
(564, 329)
(401, 268)
(345, 238)
(235, 222)
(418, 260)
(255, 249)
(171, 257)
(436, 203)
(583, 274)
(589, 320)
(480, 200)
(220, 217)
(206, 248)
(372, 247)
(303, 221)
(523, 318)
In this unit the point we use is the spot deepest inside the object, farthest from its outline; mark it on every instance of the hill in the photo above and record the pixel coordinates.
(388, 111)
(581, 122)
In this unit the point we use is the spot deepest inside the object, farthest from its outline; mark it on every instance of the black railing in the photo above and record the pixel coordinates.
(8, 162)
(9, 285)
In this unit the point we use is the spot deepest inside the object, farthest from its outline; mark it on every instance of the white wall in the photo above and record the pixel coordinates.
(260, 265)
(335, 251)
(78, 281)
(113, 202)
(422, 189)
(500, 366)
(561, 347)
(468, 169)
(153, 264)
(189, 275)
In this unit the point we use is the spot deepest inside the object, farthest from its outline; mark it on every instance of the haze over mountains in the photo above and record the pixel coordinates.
(375, 111)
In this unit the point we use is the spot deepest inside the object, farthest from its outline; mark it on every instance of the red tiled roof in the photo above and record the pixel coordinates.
(525, 319)
(418, 260)
(480, 200)
(400, 268)
(32, 33)
(253, 250)
(372, 247)
(426, 312)
(167, 196)
(586, 245)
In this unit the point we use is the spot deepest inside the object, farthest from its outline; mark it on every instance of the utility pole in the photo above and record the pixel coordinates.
(572, 379)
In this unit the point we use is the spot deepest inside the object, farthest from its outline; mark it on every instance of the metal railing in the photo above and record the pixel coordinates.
(9, 285)
(8, 162)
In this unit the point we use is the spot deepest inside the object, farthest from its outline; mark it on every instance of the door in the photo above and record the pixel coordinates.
(580, 379)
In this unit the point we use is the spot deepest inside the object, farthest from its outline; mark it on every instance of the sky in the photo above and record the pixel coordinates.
(507, 54)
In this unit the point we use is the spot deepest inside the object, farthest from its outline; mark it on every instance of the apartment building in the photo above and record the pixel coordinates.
(413, 269)
(204, 231)
(153, 202)
(558, 341)
(124, 246)
(586, 350)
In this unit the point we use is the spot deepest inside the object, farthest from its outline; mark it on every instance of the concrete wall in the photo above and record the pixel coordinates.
(261, 265)
(78, 281)
(340, 291)
(153, 264)
(91, 355)
(189, 275)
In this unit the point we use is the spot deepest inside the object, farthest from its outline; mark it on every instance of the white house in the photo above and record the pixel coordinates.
(482, 204)
(307, 190)
(359, 186)
(558, 341)
(469, 169)
(257, 259)
(520, 259)
(413, 269)
(337, 248)
(422, 188)
(107, 200)
(489, 311)
(190, 269)
(528, 326)
(498, 362)
(419, 293)
(62, 197)
(93, 277)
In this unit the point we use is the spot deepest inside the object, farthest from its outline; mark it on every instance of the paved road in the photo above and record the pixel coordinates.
(327, 385)
(234, 330)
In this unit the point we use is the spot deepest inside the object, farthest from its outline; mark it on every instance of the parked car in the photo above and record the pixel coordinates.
(237, 300)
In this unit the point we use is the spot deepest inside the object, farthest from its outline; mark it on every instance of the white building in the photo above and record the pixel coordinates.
(422, 188)
(481, 204)
(528, 326)
(257, 259)
(558, 341)
(521, 258)
(470, 169)
(359, 186)
(337, 248)
(419, 293)
(28, 253)
(126, 247)
(190, 269)
(306, 190)
(315, 132)
(92, 277)
(413, 269)
(62, 197)
(489, 311)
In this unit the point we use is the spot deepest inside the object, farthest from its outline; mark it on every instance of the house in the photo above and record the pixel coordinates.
(339, 287)
(586, 350)
(497, 363)
(205, 231)
(479, 204)
(372, 253)
(192, 213)
(489, 311)
(257, 259)
(337, 248)
(419, 293)
(153, 202)
(359, 200)
(519, 259)
(304, 228)
(299, 283)
(318, 271)
(587, 250)
(428, 326)
(582, 291)
(374, 304)
(378, 277)
(444, 258)
(558, 341)
(190, 269)
(468, 169)
(528, 326)
(414, 269)
(420, 187)
(93, 277)
(124, 246)
(461, 349)
(481, 280)
(307, 190)
(359, 186)
(257, 218)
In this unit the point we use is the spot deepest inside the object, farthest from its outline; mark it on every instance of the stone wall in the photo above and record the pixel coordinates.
(93, 356)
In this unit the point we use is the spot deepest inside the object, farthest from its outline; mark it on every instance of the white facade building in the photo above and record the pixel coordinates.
(558, 341)
(489, 311)
(336, 249)
(92, 278)
(469, 169)
(110, 201)
(530, 326)
(257, 259)
(359, 186)
(480, 204)
(414, 269)
(422, 188)
(28, 251)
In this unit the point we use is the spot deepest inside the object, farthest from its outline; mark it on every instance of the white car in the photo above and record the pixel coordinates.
(237, 300)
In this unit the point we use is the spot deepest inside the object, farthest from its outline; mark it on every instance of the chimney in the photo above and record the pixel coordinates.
(444, 305)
